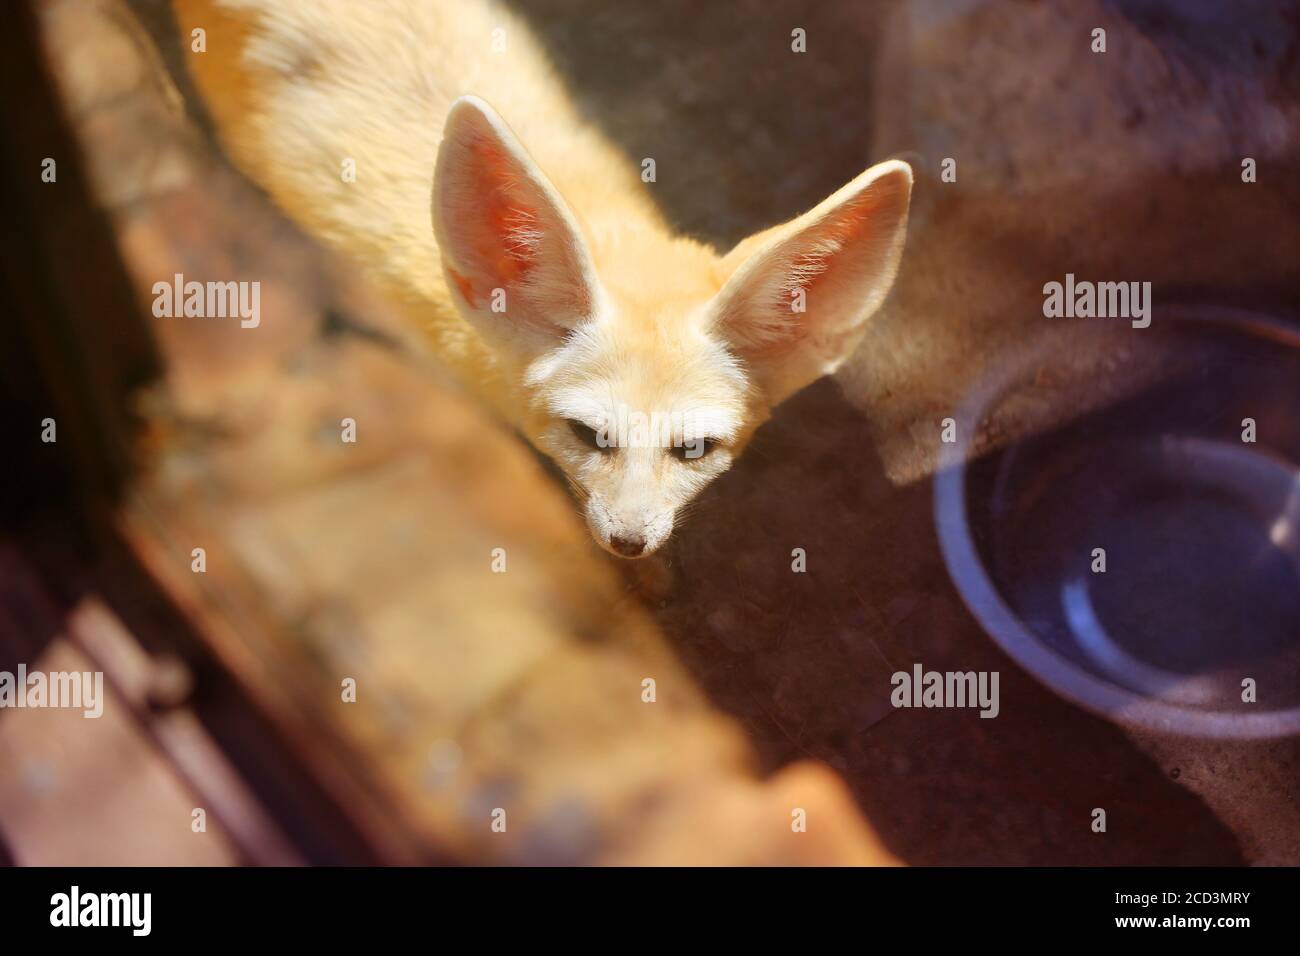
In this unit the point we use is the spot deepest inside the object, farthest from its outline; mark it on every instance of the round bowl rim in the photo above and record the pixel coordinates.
(984, 600)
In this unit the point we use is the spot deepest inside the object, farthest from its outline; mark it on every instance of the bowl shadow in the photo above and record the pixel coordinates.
(804, 659)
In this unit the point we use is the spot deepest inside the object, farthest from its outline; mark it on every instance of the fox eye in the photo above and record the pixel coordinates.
(587, 435)
(694, 450)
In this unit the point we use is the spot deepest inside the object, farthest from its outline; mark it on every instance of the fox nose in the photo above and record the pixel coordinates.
(627, 545)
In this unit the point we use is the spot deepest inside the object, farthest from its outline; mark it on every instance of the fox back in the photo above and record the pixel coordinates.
(430, 141)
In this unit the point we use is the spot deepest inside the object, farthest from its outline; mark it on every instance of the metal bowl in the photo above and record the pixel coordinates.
(1143, 559)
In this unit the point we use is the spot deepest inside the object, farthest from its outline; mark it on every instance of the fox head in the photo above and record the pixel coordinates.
(645, 362)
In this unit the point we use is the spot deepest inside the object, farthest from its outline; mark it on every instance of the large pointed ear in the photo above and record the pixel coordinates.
(512, 252)
(796, 297)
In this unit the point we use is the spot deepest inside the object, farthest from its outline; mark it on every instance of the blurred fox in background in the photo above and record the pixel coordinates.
(638, 360)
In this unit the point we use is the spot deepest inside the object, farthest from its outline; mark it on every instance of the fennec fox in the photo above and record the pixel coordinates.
(639, 361)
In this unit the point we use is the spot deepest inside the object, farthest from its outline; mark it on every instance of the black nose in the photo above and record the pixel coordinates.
(629, 547)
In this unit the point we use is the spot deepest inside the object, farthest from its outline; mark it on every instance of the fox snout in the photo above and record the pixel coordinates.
(632, 546)
(628, 532)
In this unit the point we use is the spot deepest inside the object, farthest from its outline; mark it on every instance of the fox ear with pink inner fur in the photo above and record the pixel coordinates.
(513, 253)
(796, 297)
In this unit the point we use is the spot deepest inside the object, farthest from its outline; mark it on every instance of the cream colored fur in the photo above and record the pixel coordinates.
(605, 309)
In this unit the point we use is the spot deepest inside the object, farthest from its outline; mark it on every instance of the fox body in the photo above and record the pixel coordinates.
(430, 141)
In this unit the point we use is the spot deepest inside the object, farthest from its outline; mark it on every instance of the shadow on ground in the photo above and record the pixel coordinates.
(804, 661)
(745, 133)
